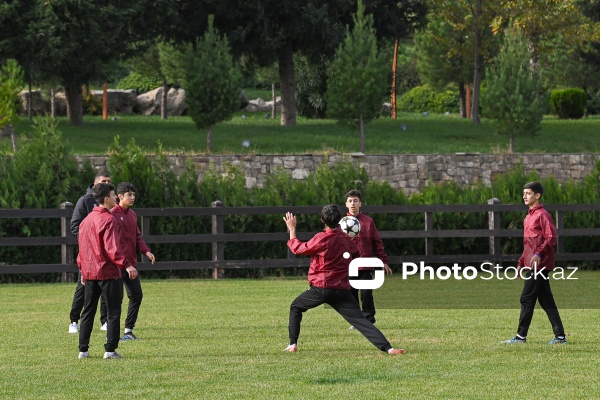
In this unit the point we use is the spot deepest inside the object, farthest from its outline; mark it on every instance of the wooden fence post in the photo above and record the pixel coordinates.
(218, 248)
(495, 222)
(560, 225)
(428, 227)
(145, 231)
(66, 250)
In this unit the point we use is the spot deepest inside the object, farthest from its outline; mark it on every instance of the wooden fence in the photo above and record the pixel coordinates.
(218, 237)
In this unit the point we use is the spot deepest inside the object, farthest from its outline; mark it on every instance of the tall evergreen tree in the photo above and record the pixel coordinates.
(11, 82)
(444, 56)
(514, 98)
(357, 78)
(212, 82)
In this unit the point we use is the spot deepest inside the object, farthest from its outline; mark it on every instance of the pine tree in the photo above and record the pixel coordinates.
(212, 82)
(514, 98)
(357, 78)
(11, 82)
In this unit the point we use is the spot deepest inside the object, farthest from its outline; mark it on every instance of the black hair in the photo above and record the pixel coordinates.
(535, 186)
(354, 193)
(125, 187)
(331, 216)
(101, 175)
(101, 191)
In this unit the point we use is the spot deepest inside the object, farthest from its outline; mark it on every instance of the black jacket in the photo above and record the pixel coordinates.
(84, 206)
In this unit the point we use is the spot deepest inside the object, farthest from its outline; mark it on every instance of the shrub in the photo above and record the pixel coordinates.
(139, 83)
(568, 103)
(593, 103)
(92, 104)
(311, 85)
(424, 98)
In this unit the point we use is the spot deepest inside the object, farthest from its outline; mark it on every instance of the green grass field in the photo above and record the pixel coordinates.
(423, 135)
(224, 340)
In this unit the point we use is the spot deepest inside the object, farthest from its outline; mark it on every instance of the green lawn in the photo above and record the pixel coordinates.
(433, 134)
(224, 340)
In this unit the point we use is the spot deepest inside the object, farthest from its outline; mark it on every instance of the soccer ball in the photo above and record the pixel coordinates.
(350, 226)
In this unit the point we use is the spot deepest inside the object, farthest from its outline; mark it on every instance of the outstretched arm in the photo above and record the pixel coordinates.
(290, 221)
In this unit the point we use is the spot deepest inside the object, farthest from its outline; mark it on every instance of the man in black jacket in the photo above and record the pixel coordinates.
(84, 206)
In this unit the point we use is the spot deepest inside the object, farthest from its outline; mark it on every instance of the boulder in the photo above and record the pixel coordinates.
(244, 101)
(119, 101)
(38, 104)
(259, 105)
(146, 103)
(149, 103)
(175, 102)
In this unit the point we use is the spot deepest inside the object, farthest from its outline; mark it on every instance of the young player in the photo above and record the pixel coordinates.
(131, 242)
(331, 251)
(84, 206)
(539, 239)
(100, 261)
(369, 244)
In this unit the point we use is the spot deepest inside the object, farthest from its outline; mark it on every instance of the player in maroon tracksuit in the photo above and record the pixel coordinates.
(369, 244)
(539, 239)
(101, 261)
(331, 252)
(131, 243)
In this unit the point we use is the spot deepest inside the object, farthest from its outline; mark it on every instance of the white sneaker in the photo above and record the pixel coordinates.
(292, 348)
(73, 327)
(104, 326)
(84, 354)
(112, 354)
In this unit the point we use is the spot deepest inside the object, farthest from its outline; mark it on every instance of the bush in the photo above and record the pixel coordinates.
(92, 104)
(424, 98)
(311, 85)
(593, 103)
(568, 103)
(139, 83)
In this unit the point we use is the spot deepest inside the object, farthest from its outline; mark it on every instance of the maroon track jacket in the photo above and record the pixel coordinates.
(131, 240)
(100, 257)
(539, 237)
(328, 267)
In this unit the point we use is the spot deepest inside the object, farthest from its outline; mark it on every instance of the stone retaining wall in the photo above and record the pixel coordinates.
(409, 172)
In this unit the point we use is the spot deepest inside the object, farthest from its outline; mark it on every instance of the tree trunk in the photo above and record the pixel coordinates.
(104, 101)
(394, 70)
(9, 128)
(74, 104)
(163, 100)
(462, 96)
(52, 103)
(274, 108)
(478, 64)
(361, 125)
(287, 78)
(511, 144)
(209, 140)
(29, 111)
